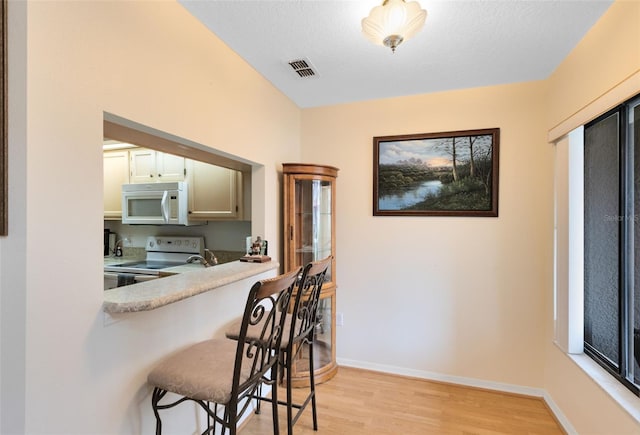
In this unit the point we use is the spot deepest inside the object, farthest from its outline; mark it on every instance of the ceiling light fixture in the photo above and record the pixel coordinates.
(393, 22)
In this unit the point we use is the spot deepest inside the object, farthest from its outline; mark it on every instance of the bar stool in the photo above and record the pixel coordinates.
(299, 328)
(226, 372)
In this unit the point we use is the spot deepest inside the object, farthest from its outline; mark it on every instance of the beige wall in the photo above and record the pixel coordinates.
(452, 296)
(153, 63)
(609, 54)
(466, 299)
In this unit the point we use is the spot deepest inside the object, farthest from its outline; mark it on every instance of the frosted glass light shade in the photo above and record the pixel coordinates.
(393, 22)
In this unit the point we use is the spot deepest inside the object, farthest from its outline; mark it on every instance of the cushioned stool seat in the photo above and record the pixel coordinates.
(189, 372)
(254, 330)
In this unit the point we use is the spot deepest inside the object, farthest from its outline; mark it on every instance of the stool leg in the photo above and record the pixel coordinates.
(289, 359)
(215, 423)
(155, 398)
(274, 401)
(312, 384)
(226, 419)
(259, 391)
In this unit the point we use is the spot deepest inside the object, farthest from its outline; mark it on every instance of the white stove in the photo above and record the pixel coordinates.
(163, 252)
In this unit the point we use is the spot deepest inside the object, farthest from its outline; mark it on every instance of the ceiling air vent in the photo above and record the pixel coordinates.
(302, 67)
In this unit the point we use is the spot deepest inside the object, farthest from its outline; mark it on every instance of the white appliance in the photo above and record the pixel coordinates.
(163, 252)
(156, 204)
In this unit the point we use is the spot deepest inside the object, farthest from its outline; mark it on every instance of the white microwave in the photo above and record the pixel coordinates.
(156, 204)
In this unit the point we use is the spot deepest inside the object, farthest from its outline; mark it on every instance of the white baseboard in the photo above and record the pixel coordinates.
(470, 382)
(562, 419)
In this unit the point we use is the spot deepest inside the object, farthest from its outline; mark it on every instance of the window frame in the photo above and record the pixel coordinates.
(624, 372)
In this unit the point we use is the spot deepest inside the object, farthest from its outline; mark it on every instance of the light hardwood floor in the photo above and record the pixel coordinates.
(358, 402)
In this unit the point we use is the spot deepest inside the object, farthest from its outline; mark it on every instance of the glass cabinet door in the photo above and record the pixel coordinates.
(312, 222)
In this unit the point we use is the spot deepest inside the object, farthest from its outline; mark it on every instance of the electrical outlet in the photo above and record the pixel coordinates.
(339, 319)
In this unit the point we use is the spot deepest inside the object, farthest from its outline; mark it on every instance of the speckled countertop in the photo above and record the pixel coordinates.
(156, 293)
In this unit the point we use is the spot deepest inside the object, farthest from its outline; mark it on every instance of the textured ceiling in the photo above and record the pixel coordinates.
(464, 44)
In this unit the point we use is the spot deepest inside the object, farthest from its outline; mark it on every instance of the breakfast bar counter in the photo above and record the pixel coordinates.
(157, 293)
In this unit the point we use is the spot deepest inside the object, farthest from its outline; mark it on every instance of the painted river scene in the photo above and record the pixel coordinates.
(442, 173)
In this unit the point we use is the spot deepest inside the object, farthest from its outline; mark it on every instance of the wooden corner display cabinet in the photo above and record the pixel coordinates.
(309, 235)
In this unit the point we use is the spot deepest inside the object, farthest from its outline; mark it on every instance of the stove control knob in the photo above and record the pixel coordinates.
(178, 242)
(151, 244)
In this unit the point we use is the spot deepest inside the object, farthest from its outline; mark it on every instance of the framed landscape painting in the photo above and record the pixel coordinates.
(437, 174)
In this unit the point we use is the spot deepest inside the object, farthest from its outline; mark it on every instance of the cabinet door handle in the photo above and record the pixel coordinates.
(291, 232)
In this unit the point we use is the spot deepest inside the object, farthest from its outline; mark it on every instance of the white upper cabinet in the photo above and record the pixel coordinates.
(214, 192)
(149, 166)
(116, 173)
(170, 167)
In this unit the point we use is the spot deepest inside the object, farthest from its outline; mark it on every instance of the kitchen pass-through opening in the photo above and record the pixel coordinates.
(225, 234)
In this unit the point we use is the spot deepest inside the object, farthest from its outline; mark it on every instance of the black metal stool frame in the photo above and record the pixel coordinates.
(301, 332)
(260, 352)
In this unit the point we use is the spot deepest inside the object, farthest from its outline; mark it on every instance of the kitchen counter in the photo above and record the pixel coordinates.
(157, 293)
